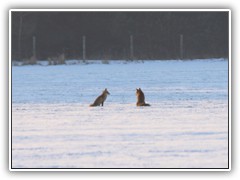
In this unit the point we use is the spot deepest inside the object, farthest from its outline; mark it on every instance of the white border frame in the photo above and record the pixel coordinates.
(119, 169)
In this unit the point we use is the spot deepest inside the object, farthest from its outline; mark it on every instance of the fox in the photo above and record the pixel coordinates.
(140, 98)
(100, 99)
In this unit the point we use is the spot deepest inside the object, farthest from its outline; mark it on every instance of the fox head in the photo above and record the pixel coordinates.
(106, 91)
(138, 91)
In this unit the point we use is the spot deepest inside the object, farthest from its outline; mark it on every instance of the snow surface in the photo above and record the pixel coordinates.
(186, 125)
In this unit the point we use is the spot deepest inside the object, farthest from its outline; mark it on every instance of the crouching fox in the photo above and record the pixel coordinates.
(100, 99)
(140, 98)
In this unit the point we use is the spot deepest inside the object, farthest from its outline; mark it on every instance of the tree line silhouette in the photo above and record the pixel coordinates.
(155, 34)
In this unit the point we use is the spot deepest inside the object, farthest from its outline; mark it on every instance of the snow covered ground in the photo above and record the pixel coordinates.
(186, 125)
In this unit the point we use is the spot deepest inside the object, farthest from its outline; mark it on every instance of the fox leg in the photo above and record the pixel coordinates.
(102, 103)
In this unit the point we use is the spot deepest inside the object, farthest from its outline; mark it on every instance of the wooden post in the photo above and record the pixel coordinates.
(124, 54)
(34, 47)
(181, 46)
(84, 47)
(33, 58)
(131, 47)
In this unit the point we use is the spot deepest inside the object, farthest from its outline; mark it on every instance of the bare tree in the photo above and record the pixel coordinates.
(21, 17)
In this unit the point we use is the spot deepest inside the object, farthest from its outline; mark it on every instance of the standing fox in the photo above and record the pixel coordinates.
(140, 98)
(100, 99)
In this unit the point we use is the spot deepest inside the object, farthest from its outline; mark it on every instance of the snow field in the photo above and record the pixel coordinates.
(186, 125)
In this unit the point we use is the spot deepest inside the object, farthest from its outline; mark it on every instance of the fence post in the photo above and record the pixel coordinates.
(34, 47)
(33, 58)
(131, 47)
(181, 46)
(84, 47)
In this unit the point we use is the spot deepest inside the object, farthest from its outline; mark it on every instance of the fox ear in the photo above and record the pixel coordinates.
(136, 89)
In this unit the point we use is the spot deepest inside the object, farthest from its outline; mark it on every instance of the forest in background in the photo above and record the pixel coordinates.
(119, 35)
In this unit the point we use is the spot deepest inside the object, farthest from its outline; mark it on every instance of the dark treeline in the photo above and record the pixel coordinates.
(155, 35)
